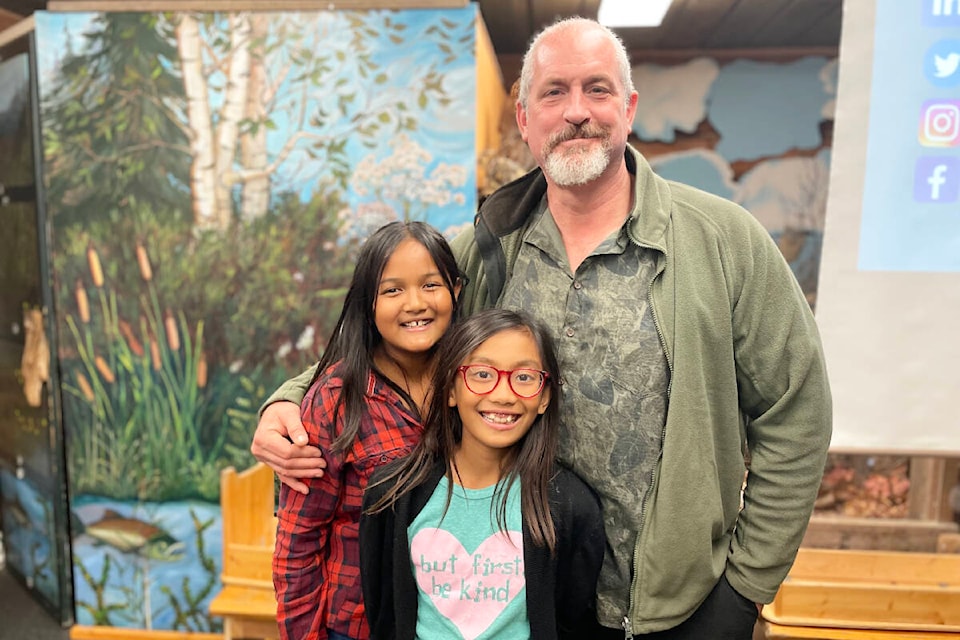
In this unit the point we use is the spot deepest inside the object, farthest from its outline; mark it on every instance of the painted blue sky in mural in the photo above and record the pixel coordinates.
(441, 186)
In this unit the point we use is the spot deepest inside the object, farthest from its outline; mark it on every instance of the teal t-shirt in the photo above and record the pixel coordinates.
(470, 575)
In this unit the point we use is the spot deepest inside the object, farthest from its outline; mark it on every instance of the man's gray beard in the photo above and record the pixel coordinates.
(575, 169)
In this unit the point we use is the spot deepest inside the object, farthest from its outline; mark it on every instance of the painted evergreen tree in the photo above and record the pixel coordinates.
(112, 125)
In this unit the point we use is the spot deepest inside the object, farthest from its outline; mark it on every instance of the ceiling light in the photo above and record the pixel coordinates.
(632, 13)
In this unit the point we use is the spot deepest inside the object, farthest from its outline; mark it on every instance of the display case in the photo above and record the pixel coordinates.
(35, 515)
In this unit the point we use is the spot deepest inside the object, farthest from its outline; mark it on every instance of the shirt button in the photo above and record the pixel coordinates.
(383, 458)
(577, 285)
(569, 332)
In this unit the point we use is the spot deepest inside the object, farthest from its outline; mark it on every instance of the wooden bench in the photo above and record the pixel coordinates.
(247, 602)
(788, 632)
(852, 595)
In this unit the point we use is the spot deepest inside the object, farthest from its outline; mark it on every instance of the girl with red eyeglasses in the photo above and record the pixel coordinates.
(478, 533)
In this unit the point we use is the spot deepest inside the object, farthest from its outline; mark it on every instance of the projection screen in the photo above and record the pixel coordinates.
(888, 302)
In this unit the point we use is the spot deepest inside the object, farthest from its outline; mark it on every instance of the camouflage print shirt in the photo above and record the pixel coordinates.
(615, 378)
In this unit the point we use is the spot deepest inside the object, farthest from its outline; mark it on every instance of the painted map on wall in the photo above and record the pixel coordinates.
(757, 133)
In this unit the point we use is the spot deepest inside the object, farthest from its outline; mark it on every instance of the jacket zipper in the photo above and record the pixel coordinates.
(625, 623)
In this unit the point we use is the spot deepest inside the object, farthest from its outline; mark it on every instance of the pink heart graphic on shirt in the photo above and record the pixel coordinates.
(469, 589)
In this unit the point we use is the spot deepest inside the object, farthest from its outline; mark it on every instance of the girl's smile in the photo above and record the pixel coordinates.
(500, 420)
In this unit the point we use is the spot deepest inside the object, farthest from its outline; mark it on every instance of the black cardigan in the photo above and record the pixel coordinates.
(561, 589)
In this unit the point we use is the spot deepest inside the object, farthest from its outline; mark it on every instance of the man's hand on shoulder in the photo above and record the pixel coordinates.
(280, 442)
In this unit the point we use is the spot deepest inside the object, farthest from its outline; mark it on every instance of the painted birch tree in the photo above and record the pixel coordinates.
(294, 88)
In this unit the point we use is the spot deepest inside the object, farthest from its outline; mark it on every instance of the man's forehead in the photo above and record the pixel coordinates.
(563, 60)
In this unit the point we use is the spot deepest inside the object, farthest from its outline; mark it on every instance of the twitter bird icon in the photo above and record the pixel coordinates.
(946, 67)
(942, 63)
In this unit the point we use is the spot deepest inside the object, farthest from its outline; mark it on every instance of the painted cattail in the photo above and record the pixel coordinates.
(96, 270)
(127, 331)
(143, 260)
(173, 336)
(154, 354)
(85, 387)
(83, 302)
(104, 369)
(202, 370)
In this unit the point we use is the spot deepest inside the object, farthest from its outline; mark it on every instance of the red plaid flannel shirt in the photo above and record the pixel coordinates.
(316, 563)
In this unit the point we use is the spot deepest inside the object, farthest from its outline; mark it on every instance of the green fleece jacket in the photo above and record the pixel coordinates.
(747, 375)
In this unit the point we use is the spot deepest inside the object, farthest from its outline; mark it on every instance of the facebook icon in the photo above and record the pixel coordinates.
(937, 179)
(941, 13)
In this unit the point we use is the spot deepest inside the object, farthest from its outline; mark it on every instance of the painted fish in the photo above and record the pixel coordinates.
(130, 535)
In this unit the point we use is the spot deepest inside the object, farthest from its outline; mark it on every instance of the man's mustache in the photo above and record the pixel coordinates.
(575, 131)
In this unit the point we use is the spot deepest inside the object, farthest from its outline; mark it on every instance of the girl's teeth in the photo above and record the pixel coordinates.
(500, 418)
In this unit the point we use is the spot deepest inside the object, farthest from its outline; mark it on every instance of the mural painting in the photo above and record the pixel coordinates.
(209, 179)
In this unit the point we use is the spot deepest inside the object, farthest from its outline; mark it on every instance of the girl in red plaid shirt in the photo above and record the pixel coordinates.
(362, 409)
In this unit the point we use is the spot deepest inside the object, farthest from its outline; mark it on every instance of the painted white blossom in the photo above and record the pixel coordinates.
(453, 231)
(401, 179)
(305, 341)
(284, 350)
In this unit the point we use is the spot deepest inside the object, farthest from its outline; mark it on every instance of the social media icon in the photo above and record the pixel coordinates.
(941, 13)
(940, 123)
(942, 63)
(937, 179)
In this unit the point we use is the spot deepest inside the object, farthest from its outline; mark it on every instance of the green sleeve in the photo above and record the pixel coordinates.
(293, 390)
(473, 296)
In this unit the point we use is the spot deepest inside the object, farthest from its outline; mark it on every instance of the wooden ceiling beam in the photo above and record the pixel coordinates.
(15, 31)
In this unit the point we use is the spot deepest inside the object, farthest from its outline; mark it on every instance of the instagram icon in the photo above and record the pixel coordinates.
(940, 123)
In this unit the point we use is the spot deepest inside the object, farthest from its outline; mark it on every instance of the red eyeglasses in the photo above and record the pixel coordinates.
(482, 379)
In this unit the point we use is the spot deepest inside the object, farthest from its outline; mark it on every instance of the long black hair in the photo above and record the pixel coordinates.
(355, 337)
(531, 459)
